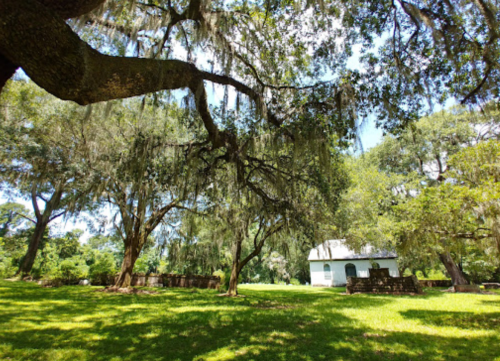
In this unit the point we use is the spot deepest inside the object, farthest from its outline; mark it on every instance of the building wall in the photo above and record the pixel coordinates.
(337, 271)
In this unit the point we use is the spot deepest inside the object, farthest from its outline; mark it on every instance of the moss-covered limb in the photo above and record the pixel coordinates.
(37, 39)
(72, 8)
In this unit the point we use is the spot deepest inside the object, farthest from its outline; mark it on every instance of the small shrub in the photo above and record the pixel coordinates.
(220, 273)
(164, 267)
(103, 268)
(432, 275)
(7, 268)
(295, 282)
(69, 271)
(141, 264)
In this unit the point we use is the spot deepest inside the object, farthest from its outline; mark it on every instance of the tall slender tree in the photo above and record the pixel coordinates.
(40, 157)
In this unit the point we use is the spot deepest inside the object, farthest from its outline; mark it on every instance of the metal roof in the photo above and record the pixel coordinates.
(336, 249)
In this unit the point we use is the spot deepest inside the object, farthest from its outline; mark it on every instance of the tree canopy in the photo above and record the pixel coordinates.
(275, 54)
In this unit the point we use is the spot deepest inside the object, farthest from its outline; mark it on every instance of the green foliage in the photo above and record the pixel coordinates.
(14, 236)
(142, 265)
(12, 218)
(39, 149)
(69, 271)
(399, 197)
(224, 279)
(431, 274)
(6, 267)
(103, 267)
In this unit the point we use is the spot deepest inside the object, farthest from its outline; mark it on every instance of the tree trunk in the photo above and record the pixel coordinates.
(457, 277)
(235, 270)
(29, 258)
(131, 255)
(233, 281)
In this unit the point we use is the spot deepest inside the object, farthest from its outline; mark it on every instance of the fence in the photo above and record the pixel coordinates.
(171, 280)
(381, 282)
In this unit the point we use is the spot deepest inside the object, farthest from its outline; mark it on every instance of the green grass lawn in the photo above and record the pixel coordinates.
(271, 323)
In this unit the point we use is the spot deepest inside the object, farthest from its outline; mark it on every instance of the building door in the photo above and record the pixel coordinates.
(350, 270)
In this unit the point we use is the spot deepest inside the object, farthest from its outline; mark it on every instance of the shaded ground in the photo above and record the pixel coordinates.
(271, 323)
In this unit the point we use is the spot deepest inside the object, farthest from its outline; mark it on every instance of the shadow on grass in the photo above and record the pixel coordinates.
(491, 302)
(465, 320)
(75, 323)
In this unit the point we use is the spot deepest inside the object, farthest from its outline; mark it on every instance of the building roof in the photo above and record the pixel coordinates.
(336, 249)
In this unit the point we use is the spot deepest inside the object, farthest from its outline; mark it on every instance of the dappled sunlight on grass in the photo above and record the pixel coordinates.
(271, 323)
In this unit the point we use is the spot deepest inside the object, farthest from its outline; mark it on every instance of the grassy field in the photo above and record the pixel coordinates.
(271, 323)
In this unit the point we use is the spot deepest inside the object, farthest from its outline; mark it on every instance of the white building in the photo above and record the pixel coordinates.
(332, 262)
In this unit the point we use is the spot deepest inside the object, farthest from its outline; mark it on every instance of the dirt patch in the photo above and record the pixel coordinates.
(127, 291)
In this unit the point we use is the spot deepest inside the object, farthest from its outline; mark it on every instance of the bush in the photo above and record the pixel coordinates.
(6, 266)
(295, 282)
(164, 267)
(432, 274)
(103, 268)
(220, 273)
(69, 271)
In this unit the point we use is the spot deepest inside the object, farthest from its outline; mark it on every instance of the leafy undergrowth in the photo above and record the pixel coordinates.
(271, 323)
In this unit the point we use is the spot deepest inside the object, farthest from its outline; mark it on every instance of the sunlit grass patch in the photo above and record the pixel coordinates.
(271, 323)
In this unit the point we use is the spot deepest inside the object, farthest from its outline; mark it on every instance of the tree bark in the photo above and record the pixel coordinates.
(29, 258)
(131, 254)
(235, 271)
(457, 277)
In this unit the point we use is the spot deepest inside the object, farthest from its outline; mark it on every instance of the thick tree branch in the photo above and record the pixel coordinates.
(34, 201)
(35, 38)
(71, 8)
(25, 217)
(157, 216)
(57, 216)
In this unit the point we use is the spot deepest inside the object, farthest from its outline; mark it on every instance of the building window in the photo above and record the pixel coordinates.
(375, 265)
(326, 269)
(350, 270)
